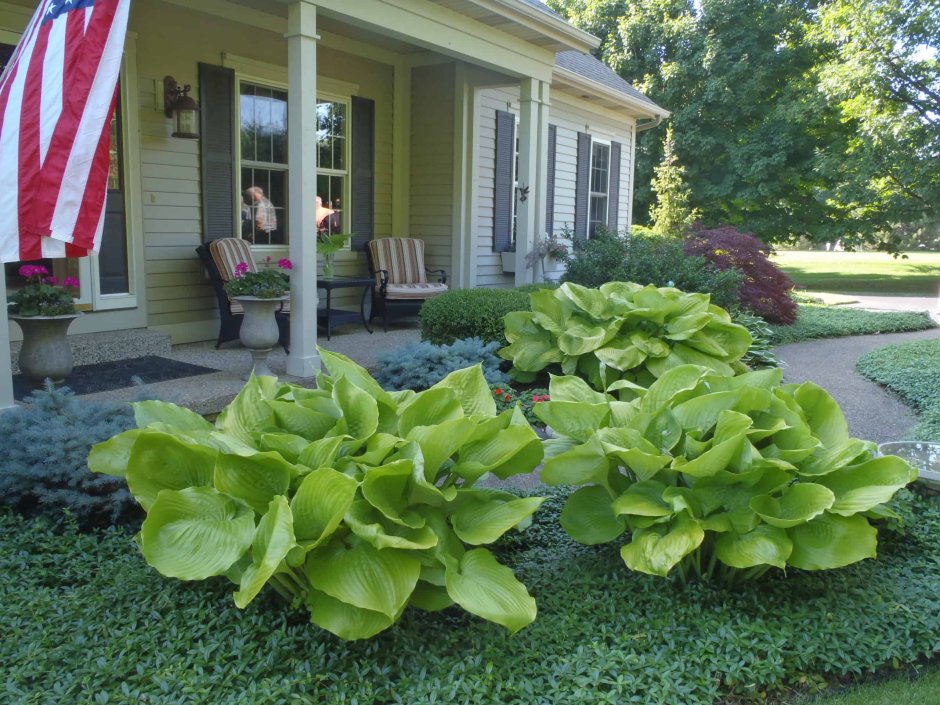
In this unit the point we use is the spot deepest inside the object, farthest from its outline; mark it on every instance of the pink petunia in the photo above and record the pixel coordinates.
(70, 283)
(51, 281)
(241, 268)
(285, 263)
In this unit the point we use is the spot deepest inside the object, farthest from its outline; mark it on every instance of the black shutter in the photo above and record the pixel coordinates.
(362, 176)
(613, 196)
(217, 115)
(582, 189)
(502, 182)
(550, 181)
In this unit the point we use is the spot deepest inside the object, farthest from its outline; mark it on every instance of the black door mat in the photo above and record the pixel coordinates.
(106, 376)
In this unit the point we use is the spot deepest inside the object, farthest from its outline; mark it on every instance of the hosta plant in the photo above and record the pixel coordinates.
(349, 500)
(715, 477)
(621, 333)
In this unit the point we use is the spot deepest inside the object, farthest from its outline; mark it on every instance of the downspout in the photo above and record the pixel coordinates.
(653, 122)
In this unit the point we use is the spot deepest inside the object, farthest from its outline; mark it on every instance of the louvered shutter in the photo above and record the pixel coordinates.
(582, 189)
(502, 186)
(613, 196)
(217, 115)
(550, 181)
(362, 175)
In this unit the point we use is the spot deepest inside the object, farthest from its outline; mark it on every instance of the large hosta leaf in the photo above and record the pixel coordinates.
(583, 464)
(344, 620)
(573, 419)
(643, 499)
(248, 414)
(360, 409)
(473, 391)
(320, 503)
(822, 413)
(484, 587)
(153, 411)
(387, 488)
(481, 520)
(765, 545)
(832, 542)
(255, 479)
(369, 524)
(859, 488)
(799, 504)
(363, 576)
(159, 461)
(589, 518)
(196, 532)
(427, 408)
(657, 550)
(301, 421)
(274, 538)
(111, 457)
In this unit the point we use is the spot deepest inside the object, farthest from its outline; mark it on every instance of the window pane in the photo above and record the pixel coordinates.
(330, 203)
(263, 206)
(339, 154)
(600, 159)
(263, 115)
(248, 125)
(279, 126)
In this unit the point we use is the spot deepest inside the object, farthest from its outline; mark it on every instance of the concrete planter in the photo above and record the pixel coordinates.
(259, 332)
(46, 352)
(508, 260)
(924, 456)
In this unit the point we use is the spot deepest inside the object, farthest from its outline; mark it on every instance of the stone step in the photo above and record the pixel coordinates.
(90, 348)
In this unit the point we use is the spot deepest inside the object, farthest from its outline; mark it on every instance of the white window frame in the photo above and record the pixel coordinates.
(594, 194)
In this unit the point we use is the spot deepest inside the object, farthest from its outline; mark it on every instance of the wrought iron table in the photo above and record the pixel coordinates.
(329, 316)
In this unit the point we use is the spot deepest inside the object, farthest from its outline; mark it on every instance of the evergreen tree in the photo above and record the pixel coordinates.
(671, 215)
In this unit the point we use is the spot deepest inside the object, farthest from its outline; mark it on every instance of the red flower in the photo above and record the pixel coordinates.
(497, 391)
(507, 397)
(285, 263)
(536, 398)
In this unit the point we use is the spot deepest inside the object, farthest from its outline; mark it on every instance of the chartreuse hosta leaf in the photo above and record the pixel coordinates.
(719, 477)
(621, 331)
(348, 499)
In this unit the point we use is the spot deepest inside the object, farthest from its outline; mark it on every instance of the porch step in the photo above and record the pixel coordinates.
(90, 348)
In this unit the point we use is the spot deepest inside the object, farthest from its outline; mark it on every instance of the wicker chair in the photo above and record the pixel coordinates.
(401, 282)
(219, 257)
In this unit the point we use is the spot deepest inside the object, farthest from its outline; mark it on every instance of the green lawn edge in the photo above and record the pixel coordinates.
(816, 321)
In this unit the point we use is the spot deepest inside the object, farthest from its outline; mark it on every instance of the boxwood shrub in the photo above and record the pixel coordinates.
(470, 313)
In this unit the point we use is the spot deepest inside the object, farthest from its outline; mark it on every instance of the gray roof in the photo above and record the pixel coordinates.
(589, 67)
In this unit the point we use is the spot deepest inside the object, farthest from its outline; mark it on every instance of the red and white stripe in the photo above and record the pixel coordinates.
(57, 97)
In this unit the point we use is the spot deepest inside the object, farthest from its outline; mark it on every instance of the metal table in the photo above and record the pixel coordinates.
(329, 316)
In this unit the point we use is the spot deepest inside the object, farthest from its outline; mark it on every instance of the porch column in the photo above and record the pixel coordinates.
(401, 150)
(303, 361)
(6, 367)
(533, 172)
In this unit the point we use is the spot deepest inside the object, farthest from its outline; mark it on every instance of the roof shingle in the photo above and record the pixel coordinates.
(596, 70)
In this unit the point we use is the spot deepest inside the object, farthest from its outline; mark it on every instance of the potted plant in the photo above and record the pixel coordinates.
(261, 294)
(551, 252)
(44, 308)
(328, 244)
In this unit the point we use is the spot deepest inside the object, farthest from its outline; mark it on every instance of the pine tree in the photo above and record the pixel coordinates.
(672, 215)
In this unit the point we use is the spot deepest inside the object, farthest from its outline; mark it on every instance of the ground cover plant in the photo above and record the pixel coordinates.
(86, 620)
(507, 396)
(620, 334)
(912, 371)
(349, 500)
(718, 478)
(43, 469)
(819, 321)
(872, 273)
(422, 364)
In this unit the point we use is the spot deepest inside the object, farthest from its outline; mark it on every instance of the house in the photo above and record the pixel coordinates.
(471, 124)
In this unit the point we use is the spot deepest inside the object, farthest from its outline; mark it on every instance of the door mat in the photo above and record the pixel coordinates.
(106, 376)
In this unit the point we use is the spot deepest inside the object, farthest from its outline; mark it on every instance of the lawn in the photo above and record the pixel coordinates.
(922, 689)
(85, 620)
(818, 321)
(873, 273)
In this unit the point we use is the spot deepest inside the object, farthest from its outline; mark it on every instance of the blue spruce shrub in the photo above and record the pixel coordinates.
(43, 466)
(422, 364)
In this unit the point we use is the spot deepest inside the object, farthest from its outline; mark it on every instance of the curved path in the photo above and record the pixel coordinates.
(872, 412)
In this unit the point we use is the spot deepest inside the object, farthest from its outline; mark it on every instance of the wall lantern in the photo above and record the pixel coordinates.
(184, 110)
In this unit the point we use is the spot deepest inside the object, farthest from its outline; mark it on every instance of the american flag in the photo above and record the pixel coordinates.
(57, 96)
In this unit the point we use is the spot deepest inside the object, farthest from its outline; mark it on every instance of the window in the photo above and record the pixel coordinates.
(263, 134)
(332, 164)
(600, 185)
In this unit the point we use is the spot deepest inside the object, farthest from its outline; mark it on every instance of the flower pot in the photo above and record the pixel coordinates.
(508, 261)
(259, 331)
(46, 352)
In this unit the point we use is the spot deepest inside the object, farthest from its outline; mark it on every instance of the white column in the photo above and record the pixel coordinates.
(6, 366)
(401, 150)
(303, 361)
(532, 174)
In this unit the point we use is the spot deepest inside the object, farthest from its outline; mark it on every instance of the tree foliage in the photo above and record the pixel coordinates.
(671, 215)
(791, 117)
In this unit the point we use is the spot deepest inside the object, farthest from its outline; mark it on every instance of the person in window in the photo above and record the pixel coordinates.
(265, 215)
(328, 220)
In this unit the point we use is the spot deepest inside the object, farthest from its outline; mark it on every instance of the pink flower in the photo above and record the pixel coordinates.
(536, 398)
(33, 270)
(241, 268)
(285, 263)
(70, 283)
(52, 281)
(267, 260)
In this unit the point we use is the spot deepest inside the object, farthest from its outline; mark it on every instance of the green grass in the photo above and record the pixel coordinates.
(912, 371)
(85, 620)
(922, 689)
(873, 273)
(815, 321)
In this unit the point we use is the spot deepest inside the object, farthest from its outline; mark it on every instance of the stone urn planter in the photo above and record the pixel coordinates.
(46, 352)
(924, 456)
(259, 331)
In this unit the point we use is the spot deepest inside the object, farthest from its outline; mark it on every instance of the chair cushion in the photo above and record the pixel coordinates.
(401, 257)
(228, 252)
(414, 291)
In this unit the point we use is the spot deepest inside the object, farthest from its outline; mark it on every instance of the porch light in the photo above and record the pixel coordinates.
(184, 110)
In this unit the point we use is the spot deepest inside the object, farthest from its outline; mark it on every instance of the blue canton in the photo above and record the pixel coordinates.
(60, 7)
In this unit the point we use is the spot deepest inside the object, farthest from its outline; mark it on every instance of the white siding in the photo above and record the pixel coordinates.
(570, 120)
(432, 161)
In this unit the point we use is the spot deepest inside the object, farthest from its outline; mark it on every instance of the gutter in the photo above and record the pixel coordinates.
(655, 122)
(643, 106)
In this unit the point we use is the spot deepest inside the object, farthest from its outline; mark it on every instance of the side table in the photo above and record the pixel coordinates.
(329, 316)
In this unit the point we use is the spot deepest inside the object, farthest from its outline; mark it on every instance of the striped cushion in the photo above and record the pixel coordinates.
(228, 252)
(414, 291)
(401, 257)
